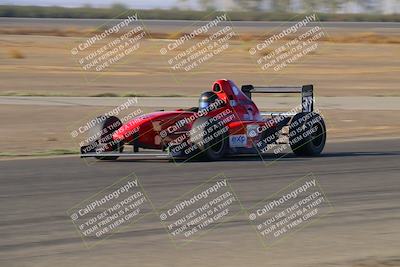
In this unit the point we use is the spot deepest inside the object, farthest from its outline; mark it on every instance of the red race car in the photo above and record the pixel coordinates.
(226, 122)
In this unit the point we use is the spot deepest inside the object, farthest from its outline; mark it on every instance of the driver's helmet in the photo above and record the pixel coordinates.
(206, 99)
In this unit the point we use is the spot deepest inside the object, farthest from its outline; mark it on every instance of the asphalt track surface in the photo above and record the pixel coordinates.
(185, 25)
(265, 103)
(360, 178)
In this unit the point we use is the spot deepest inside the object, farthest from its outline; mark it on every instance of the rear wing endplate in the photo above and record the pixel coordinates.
(307, 96)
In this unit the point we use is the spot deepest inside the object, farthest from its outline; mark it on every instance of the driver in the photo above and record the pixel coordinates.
(206, 99)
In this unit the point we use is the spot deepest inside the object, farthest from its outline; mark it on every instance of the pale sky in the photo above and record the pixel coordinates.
(384, 6)
(74, 3)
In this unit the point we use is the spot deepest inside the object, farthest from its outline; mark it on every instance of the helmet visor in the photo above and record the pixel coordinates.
(203, 104)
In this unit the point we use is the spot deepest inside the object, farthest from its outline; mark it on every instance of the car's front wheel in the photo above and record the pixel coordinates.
(101, 133)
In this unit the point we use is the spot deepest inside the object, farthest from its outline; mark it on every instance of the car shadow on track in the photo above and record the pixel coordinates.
(360, 154)
(269, 157)
(293, 157)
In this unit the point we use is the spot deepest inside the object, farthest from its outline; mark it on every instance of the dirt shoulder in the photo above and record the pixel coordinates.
(42, 65)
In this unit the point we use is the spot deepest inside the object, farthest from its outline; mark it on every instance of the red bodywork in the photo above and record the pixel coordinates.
(155, 130)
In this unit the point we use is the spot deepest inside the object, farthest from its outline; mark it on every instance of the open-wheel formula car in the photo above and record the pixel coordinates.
(226, 122)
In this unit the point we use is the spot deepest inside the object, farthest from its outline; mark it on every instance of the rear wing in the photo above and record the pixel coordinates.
(307, 96)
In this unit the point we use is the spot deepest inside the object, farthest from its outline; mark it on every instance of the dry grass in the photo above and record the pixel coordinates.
(266, 51)
(64, 32)
(15, 53)
(50, 70)
(367, 37)
(246, 37)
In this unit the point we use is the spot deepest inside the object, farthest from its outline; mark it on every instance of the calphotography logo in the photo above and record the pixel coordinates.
(200, 210)
(289, 210)
(110, 210)
(206, 41)
(110, 44)
(288, 46)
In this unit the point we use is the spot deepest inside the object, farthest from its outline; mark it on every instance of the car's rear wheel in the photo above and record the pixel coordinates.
(101, 133)
(210, 138)
(307, 134)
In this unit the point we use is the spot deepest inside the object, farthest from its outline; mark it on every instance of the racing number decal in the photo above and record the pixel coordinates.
(307, 98)
(307, 103)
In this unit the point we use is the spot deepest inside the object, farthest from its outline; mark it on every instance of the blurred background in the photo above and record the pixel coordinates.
(295, 6)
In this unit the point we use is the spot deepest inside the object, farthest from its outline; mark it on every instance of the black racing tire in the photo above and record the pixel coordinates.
(210, 138)
(103, 131)
(307, 134)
